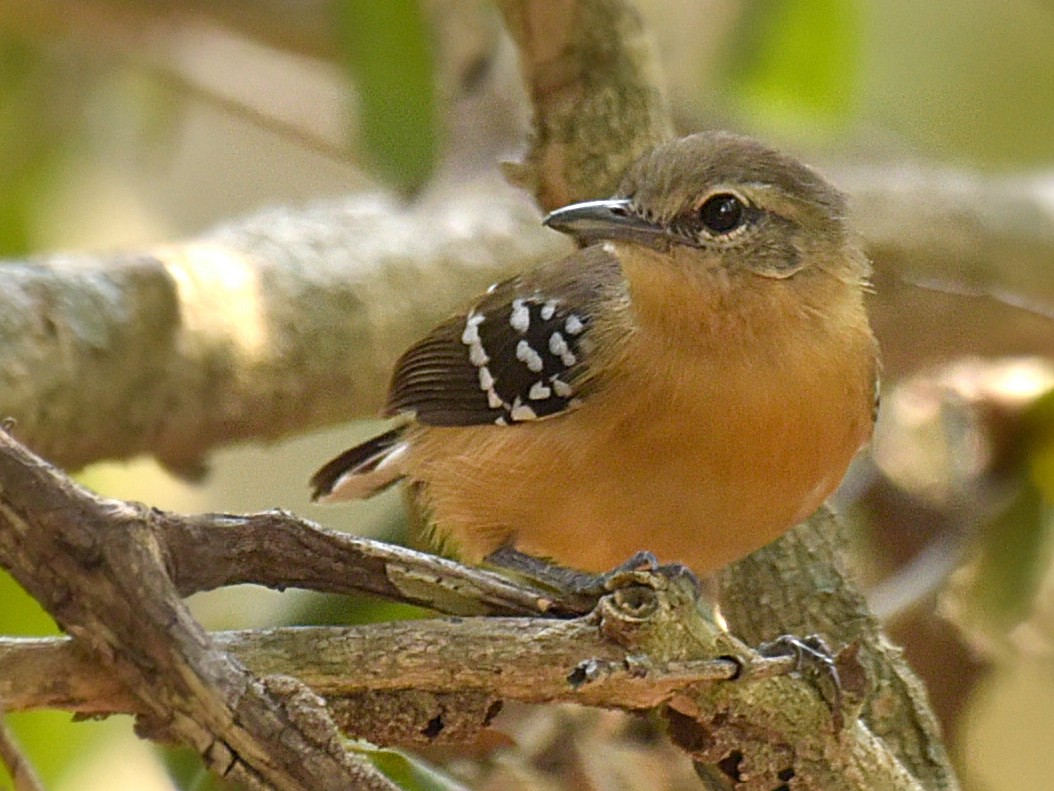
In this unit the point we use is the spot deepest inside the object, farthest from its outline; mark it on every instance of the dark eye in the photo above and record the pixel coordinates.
(722, 213)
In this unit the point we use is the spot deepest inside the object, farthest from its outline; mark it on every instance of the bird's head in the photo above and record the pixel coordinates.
(726, 204)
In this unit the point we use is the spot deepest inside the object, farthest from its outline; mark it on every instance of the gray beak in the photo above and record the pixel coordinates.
(605, 219)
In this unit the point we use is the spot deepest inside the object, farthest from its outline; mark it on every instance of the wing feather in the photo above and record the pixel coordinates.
(520, 353)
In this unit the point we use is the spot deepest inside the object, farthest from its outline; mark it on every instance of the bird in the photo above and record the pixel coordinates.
(692, 382)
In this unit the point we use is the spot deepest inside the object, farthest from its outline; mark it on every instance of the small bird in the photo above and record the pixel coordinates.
(693, 382)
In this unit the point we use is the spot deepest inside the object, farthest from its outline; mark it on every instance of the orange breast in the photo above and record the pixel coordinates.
(701, 461)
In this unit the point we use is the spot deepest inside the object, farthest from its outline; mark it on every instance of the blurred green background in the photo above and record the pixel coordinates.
(128, 124)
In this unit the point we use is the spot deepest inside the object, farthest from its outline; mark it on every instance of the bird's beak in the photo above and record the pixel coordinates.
(605, 219)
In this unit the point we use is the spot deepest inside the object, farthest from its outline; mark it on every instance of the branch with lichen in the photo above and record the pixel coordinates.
(290, 319)
(261, 707)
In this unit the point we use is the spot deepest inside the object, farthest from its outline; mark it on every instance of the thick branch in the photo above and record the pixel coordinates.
(594, 86)
(96, 567)
(523, 659)
(808, 590)
(290, 320)
(279, 323)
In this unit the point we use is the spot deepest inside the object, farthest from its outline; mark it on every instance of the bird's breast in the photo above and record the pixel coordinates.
(701, 462)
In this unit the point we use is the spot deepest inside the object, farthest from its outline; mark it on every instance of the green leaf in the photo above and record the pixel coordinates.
(187, 772)
(1039, 436)
(410, 774)
(1015, 547)
(36, 122)
(1014, 559)
(389, 55)
(797, 59)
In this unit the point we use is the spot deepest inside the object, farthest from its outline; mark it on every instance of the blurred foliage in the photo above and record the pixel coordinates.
(999, 588)
(965, 80)
(1012, 561)
(411, 774)
(389, 54)
(1039, 429)
(795, 62)
(187, 773)
(34, 121)
(339, 610)
(50, 738)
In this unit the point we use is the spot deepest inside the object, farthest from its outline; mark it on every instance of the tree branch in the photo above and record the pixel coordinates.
(290, 320)
(99, 566)
(523, 659)
(597, 107)
(274, 325)
(21, 771)
(809, 590)
(280, 550)
(95, 566)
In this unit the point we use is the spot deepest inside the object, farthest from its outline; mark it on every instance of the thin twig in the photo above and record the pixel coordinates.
(18, 766)
(281, 550)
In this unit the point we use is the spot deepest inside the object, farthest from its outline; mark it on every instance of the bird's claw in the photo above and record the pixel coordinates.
(642, 568)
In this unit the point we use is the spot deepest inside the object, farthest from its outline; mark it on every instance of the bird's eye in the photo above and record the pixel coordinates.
(722, 213)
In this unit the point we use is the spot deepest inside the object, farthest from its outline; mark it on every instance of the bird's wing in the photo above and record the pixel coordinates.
(521, 353)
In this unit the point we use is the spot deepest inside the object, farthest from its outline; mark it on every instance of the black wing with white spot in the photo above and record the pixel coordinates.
(520, 354)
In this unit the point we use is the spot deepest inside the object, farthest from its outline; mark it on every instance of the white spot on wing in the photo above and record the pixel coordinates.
(477, 356)
(539, 392)
(548, 310)
(486, 384)
(557, 344)
(471, 333)
(562, 388)
(528, 356)
(521, 411)
(520, 318)
(470, 337)
(574, 325)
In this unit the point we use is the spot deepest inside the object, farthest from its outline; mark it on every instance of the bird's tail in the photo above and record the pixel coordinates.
(362, 471)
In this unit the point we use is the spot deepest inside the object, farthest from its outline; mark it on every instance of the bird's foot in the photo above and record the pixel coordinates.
(582, 586)
(641, 568)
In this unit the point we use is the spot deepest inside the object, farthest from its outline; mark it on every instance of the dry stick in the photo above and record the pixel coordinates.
(18, 767)
(95, 566)
(281, 550)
